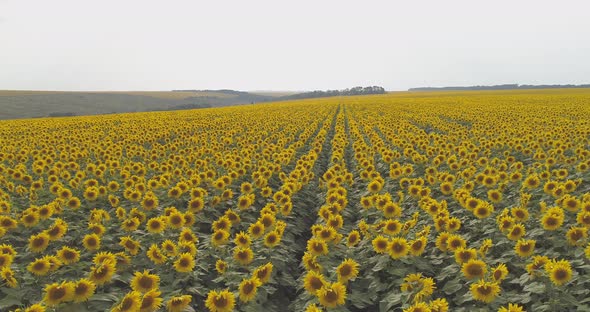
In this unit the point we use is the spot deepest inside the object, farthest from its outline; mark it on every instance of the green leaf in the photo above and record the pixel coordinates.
(388, 302)
(452, 286)
(535, 288)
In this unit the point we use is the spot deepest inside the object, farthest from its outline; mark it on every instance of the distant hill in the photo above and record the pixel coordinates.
(499, 87)
(33, 104)
(230, 97)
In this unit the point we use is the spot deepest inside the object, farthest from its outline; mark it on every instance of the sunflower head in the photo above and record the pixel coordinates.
(332, 295)
(185, 263)
(57, 293)
(220, 301)
(248, 288)
(144, 281)
(485, 291)
(474, 269)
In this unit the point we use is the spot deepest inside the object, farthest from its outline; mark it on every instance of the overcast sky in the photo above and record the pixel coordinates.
(290, 45)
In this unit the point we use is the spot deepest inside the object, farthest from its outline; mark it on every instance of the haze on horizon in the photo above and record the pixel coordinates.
(300, 45)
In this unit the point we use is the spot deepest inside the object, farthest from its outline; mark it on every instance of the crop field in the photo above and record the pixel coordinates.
(450, 201)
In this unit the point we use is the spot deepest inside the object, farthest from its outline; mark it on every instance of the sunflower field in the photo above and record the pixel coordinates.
(450, 201)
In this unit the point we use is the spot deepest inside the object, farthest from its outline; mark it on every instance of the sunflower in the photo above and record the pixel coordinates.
(38, 243)
(353, 238)
(223, 223)
(130, 224)
(512, 307)
(8, 276)
(220, 301)
(6, 260)
(83, 290)
(520, 214)
(248, 288)
(332, 295)
(189, 247)
(7, 249)
(576, 236)
(418, 246)
(267, 219)
(185, 263)
(535, 267)
(398, 247)
(485, 291)
(144, 282)
(57, 293)
(587, 251)
(455, 242)
(73, 203)
(151, 301)
(313, 281)
(196, 204)
(220, 238)
(272, 239)
(130, 302)
(483, 210)
(347, 270)
(532, 181)
(442, 241)
(39, 267)
(174, 192)
(104, 256)
(91, 242)
(130, 245)
(499, 272)
(454, 224)
(102, 273)
(97, 228)
(91, 193)
(220, 266)
(418, 307)
(149, 202)
(495, 196)
(525, 247)
(336, 221)
(516, 232)
(169, 248)
(313, 308)
(46, 211)
(583, 218)
(326, 233)
(560, 272)
(243, 255)
(392, 227)
(156, 255)
(474, 269)
(570, 203)
(245, 201)
(176, 220)
(263, 272)
(233, 217)
(187, 235)
(552, 221)
(439, 305)
(421, 287)
(37, 307)
(380, 244)
(317, 246)
(242, 240)
(54, 262)
(30, 218)
(463, 255)
(156, 225)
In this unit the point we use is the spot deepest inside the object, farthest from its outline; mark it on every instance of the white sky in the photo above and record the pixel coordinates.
(290, 45)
